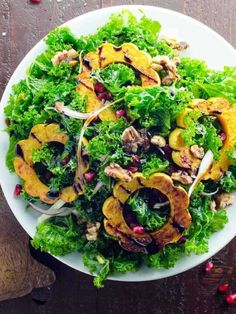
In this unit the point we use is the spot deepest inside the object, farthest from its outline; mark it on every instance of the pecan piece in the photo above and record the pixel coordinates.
(158, 141)
(65, 56)
(224, 199)
(182, 176)
(117, 172)
(197, 151)
(131, 140)
(92, 230)
(164, 63)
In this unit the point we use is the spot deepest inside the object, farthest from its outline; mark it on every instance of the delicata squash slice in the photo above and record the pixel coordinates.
(23, 164)
(226, 115)
(106, 54)
(171, 232)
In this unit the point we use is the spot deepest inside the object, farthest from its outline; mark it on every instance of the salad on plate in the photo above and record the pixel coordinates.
(125, 146)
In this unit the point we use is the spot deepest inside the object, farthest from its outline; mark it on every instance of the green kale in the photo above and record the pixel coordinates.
(150, 219)
(156, 106)
(154, 164)
(97, 264)
(115, 76)
(58, 236)
(203, 132)
(166, 258)
(62, 39)
(11, 153)
(228, 182)
(219, 84)
(125, 27)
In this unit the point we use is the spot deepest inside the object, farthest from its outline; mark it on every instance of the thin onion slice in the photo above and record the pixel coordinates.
(204, 167)
(51, 211)
(159, 205)
(210, 193)
(79, 172)
(98, 186)
(59, 106)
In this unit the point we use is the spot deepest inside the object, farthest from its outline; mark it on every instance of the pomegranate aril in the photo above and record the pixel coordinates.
(120, 113)
(108, 96)
(135, 160)
(102, 96)
(89, 176)
(167, 150)
(48, 175)
(17, 191)
(35, 1)
(139, 230)
(209, 266)
(133, 169)
(65, 160)
(223, 287)
(99, 88)
(222, 136)
(231, 298)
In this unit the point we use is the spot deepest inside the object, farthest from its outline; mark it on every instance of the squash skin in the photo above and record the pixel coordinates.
(106, 54)
(226, 114)
(178, 221)
(39, 135)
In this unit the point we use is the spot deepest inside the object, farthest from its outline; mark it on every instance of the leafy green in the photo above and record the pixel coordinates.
(220, 84)
(154, 164)
(58, 236)
(150, 219)
(203, 132)
(228, 182)
(115, 76)
(156, 106)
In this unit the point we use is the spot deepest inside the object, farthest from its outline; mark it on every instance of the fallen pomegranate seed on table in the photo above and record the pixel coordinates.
(231, 298)
(209, 266)
(35, 1)
(223, 287)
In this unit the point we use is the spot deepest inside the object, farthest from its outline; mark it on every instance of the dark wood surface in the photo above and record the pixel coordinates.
(21, 26)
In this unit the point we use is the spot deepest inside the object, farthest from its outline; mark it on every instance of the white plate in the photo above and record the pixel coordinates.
(204, 44)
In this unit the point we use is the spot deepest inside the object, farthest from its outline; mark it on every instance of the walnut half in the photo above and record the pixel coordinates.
(117, 172)
(182, 176)
(132, 139)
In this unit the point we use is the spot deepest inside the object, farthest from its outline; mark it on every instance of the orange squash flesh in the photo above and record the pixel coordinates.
(178, 221)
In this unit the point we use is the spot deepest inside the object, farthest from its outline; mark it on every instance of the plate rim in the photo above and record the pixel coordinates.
(112, 9)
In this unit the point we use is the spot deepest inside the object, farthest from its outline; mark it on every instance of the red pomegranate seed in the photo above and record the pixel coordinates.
(135, 160)
(222, 136)
(108, 96)
(17, 191)
(48, 175)
(65, 160)
(89, 176)
(102, 96)
(133, 169)
(120, 113)
(99, 88)
(167, 150)
(35, 1)
(209, 266)
(139, 230)
(223, 287)
(231, 298)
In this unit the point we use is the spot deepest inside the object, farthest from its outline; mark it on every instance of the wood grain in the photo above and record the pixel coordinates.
(73, 292)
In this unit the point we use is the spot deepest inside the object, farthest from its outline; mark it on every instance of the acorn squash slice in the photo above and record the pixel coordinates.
(226, 114)
(178, 221)
(106, 54)
(23, 164)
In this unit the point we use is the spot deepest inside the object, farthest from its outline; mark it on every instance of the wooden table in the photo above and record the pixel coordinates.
(21, 26)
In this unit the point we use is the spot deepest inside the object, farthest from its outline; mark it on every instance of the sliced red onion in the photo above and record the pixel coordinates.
(159, 205)
(98, 186)
(210, 193)
(59, 106)
(203, 168)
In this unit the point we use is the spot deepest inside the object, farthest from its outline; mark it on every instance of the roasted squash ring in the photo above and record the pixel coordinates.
(23, 164)
(171, 232)
(226, 114)
(106, 54)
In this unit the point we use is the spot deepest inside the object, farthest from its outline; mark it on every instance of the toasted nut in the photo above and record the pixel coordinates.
(197, 151)
(213, 206)
(64, 56)
(116, 171)
(182, 176)
(73, 63)
(168, 65)
(132, 139)
(224, 199)
(92, 231)
(176, 45)
(158, 141)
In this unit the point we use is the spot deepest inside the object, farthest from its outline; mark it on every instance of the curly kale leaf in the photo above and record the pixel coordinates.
(58, 236)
